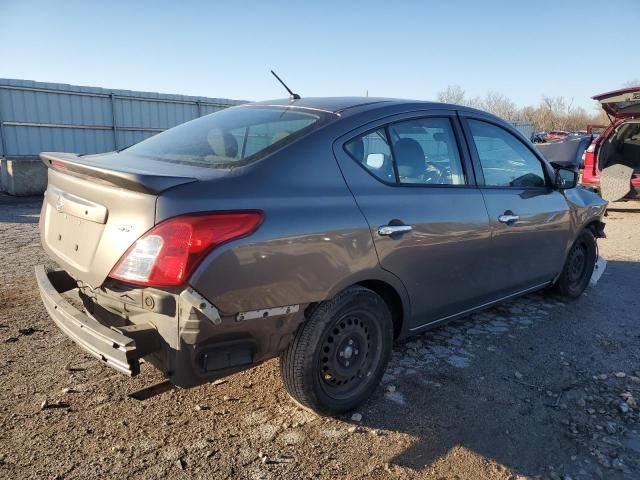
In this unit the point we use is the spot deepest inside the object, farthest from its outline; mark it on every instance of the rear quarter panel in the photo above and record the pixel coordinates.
(313, 241)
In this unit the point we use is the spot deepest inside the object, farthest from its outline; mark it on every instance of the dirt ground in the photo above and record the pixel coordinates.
(533, 388)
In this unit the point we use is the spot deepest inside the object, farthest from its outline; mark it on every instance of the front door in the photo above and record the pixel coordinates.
(414, 185)
(530, 221)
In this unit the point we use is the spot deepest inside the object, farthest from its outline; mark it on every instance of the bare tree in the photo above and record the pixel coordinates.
(552, 113)
(500, 105)
(453, 94)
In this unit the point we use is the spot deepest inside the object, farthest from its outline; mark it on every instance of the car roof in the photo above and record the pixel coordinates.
(340, 104)
(346, 106)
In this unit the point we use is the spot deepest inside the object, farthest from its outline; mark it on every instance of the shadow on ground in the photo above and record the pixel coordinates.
(19, 209)
(515, 420)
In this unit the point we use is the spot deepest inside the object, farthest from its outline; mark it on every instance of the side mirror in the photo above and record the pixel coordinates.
(566, 178)
(375, 160)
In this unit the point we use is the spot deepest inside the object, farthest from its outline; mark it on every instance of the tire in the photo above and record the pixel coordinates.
(578, 267)
(339, 354)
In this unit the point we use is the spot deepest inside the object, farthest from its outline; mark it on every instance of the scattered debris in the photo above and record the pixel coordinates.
(395, 397)
(46, 405)
(356, 417)
(28, 331)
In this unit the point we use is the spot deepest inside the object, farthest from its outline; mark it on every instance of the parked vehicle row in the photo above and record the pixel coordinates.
(318, 230)
(557, 135)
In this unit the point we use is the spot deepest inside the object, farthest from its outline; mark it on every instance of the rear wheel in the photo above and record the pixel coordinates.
(339, 354)
(578, 267)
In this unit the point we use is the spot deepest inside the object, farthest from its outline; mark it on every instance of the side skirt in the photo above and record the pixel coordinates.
(480, 307)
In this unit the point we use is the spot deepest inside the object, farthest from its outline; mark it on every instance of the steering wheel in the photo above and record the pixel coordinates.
(433, 173)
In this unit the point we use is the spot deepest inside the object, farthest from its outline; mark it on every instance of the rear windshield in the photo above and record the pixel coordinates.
(230, 137)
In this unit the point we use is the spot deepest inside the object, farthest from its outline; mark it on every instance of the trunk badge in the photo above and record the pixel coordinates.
(59, 203)
(124, 228)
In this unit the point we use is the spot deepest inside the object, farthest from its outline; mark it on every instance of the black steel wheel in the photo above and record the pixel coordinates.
(339, 354)
(578, 267)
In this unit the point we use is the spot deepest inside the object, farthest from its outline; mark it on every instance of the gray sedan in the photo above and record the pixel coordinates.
(319, 230)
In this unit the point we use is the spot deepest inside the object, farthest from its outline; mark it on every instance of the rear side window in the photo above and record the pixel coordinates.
(415, 152)
(505, 160)
(373, 152)
(230, 137)
(426, 152)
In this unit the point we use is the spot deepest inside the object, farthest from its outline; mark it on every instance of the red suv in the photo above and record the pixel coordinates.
(619, 143)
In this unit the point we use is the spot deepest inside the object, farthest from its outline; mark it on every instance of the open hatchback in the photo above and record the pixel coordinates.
(612, 161)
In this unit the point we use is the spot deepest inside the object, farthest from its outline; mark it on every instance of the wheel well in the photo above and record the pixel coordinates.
(391, 298)
(596, 227)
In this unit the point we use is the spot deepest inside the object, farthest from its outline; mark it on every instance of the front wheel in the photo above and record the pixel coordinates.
(339, 354)
(578, 267)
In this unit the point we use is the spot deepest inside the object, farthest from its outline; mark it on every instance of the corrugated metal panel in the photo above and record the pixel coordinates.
(38, 116)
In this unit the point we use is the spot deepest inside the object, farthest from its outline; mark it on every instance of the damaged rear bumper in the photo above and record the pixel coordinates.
(119, 347)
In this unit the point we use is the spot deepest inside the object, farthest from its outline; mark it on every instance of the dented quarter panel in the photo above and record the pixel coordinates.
(312, 240)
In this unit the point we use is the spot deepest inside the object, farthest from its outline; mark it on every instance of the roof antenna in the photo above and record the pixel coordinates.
(292, 96)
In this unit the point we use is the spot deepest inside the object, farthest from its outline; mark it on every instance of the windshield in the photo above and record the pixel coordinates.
(230, 137)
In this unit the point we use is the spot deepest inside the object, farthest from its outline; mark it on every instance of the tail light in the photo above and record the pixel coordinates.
(167, 254)
(592, 148)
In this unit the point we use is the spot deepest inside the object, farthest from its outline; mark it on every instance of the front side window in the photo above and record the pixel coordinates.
(505, 160)
(230, 137)
(425, 152)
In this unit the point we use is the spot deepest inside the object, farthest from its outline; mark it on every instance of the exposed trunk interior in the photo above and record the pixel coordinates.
(622, 147)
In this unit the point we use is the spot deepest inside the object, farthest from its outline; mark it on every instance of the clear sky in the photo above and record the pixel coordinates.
(408, 49)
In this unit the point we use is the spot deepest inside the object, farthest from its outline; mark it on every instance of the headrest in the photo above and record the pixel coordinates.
(223, 144)
(409, 153)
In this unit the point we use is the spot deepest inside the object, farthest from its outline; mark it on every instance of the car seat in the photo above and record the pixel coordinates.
(410, 160)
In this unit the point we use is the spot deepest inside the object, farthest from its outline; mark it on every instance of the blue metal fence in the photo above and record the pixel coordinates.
(37, 116)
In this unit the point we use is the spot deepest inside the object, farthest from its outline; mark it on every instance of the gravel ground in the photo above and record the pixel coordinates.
(532, 388)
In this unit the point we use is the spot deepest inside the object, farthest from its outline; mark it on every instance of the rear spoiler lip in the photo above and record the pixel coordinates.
(137, 181)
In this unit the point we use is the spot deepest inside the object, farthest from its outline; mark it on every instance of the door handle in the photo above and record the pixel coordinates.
(508, 218)
(388, 230)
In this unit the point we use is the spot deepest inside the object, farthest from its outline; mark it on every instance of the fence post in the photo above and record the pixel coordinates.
(113, 121)
(2, 142)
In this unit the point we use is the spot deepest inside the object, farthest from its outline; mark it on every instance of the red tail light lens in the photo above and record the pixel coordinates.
(167, 254)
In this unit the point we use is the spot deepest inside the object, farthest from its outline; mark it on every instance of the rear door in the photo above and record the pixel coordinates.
(413, 182)
(530, 221)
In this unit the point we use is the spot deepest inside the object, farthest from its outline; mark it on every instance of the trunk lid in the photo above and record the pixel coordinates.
(624, 103)
(96, 206)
